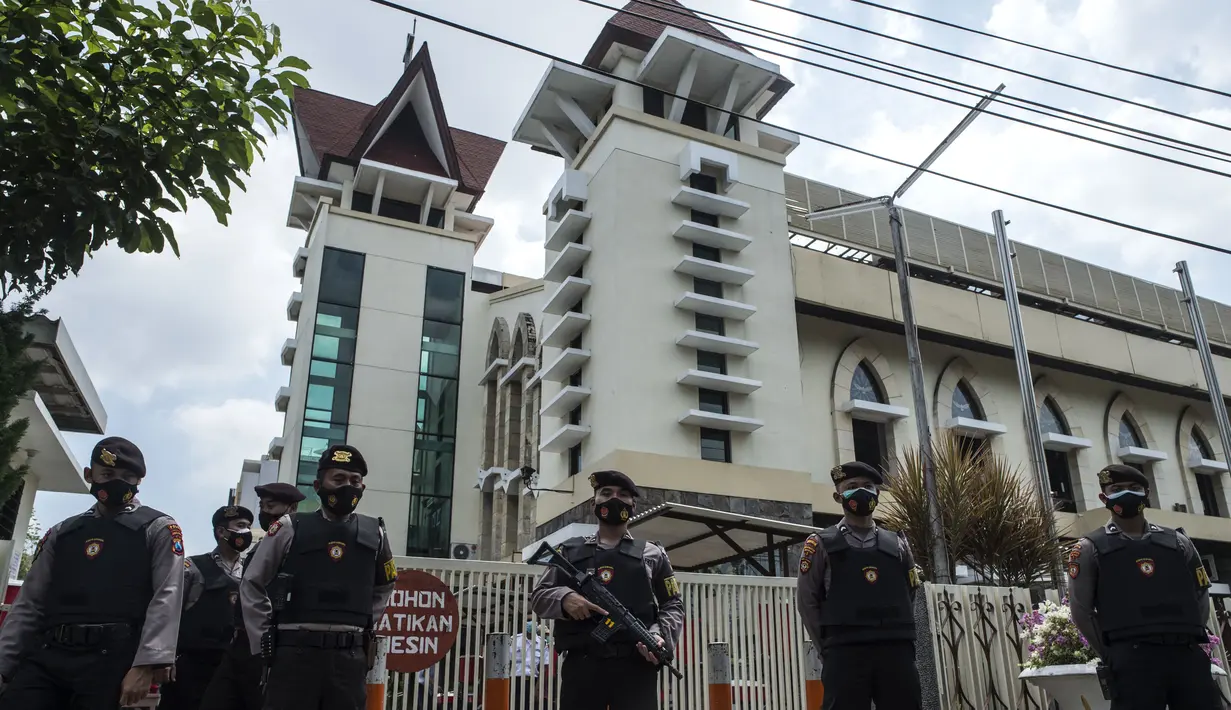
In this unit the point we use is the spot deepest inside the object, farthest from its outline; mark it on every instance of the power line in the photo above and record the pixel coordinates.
(1001, 67)
(968, 89)
(1057, 52)
(577, 65)
(978, 94)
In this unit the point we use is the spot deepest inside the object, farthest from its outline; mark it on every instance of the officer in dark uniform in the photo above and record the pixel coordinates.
(341, 577)
(856, 594)
(211, 593)
(1139, 594)
(98, 616)
(618, 675)
(236, 684)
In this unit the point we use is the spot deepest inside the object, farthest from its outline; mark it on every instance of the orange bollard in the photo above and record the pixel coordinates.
(378, 676)
(719, 663)
(498, 672)
(814, 689)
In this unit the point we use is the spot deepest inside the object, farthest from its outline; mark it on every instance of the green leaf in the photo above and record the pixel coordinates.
(217, 204)
(294, 63)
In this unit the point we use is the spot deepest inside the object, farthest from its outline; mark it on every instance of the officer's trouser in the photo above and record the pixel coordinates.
(193, 672)
(885, 672)
(236, 684)
(1153, 676)
(55, 676)
(304, 677)
(628, 682)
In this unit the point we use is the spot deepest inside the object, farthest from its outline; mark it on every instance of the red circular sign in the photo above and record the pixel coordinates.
(421, 622)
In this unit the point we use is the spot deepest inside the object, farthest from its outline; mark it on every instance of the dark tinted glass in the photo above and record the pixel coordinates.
(445, 291)
(341, 277)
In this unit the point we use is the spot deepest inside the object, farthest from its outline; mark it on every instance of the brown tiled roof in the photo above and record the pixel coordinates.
(641, 33)
(336, 126)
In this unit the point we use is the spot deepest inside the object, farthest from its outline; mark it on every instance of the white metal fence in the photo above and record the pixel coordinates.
(755, 615)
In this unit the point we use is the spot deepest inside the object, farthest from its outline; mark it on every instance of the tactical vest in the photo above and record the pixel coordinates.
(1146, 587)
(869, 591)
(100, 572)
(333, 565)
(206, 626)
(622, 571)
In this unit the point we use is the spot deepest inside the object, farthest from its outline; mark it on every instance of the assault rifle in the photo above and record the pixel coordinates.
(279, 595)
(618, 617)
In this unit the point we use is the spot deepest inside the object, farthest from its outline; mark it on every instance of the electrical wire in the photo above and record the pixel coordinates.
(979, 94)
(1057, 52)
(932, 79)
(963, 181)
(957, 55)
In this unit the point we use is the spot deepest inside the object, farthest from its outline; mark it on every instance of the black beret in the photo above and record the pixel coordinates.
(1119, 473)
(119, 453)
(345, 457)
(283, 492)
(227, 513)
(853, 469)
(598, 479)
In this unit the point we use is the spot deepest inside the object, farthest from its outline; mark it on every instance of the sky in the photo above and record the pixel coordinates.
(185, 352)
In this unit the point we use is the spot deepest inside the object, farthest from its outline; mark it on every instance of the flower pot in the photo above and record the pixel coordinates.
(1075, 687)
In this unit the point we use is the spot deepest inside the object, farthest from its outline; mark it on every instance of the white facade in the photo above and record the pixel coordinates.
(692, 330)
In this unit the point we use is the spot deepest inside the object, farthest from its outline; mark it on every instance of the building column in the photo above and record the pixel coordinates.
(499, 521)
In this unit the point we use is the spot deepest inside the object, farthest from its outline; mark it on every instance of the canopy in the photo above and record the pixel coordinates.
(699, 538)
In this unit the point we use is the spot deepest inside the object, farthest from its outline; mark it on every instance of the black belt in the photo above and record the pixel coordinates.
(328, 640)
(89, 635)
(604, 651)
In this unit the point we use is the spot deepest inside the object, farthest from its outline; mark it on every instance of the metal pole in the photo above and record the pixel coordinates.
(814, 687)
(1025, 382)
(940, 552)
(378, 676)
(499, 671)
(1207, 358)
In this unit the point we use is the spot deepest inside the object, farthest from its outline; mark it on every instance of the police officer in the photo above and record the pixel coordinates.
(618, 675)
(98, 616)
(1139, 594)
(211, 593)
(236, 684)
(341, 577)
(856, 590)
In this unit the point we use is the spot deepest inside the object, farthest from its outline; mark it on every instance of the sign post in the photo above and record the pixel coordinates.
(421, 622)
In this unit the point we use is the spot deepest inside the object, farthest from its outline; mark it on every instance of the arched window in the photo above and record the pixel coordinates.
(965, 404)
(864, 386)
(1130, 435)
(1059, 470)
(1050, 419)
(1207, 485)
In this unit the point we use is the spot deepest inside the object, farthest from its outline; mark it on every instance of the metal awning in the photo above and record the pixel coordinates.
(699, 538)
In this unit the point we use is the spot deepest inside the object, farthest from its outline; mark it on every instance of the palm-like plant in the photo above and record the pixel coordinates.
(991, 517)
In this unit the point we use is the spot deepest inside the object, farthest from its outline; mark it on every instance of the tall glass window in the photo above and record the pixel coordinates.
(431, 476)
(333, 362)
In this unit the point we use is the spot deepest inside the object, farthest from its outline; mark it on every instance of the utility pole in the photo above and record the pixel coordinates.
(939, 551)
(1207, 358)
(1025, 382)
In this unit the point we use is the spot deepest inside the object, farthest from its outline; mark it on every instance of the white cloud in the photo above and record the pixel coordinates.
(220, 436)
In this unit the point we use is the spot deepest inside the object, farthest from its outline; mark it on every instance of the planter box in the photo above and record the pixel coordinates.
(1075, 687)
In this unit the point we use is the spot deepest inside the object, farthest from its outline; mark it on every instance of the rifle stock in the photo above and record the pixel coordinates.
(618, 617)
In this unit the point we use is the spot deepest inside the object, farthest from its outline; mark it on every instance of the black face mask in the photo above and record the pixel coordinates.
(1127, 504)
(341, 500)
(238, 540)
(613, 512)
(859, 502)
(266, 519)
(115, 493)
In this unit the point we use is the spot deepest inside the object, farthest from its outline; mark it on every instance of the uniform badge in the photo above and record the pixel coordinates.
(1075, 553)
(93, 547)
(837, 474)
(1203, 578)
(107, 457)
(177, 539)
(336, 550)
(274, 527)
(593, 480)
(1074, 570)
(39, 548)
(672, 586)
(230, 512)
(341, 456)
(187, 565)
(606, 574)
(805, 560)
(624, 515)
(914, 577)
(602, 512)
(1104, 477)
(871, 574)
(1146, 565)
(391, 571)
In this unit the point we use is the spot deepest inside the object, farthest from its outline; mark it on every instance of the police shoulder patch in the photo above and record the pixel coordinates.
(672, 586)
(805, 560)
(177, 539)
(1203, 577)
(1074, 570)
(274, 527)
(391, 571)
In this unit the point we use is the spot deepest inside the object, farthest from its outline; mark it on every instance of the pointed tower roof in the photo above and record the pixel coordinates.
(641, 33)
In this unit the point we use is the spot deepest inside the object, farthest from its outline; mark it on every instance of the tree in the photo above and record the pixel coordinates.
(33, 534)
(18, 374)
(991, 518)
(116, 112)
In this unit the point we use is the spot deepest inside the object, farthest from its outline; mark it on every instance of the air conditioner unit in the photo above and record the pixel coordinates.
(1210, 568)
(464, 551)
